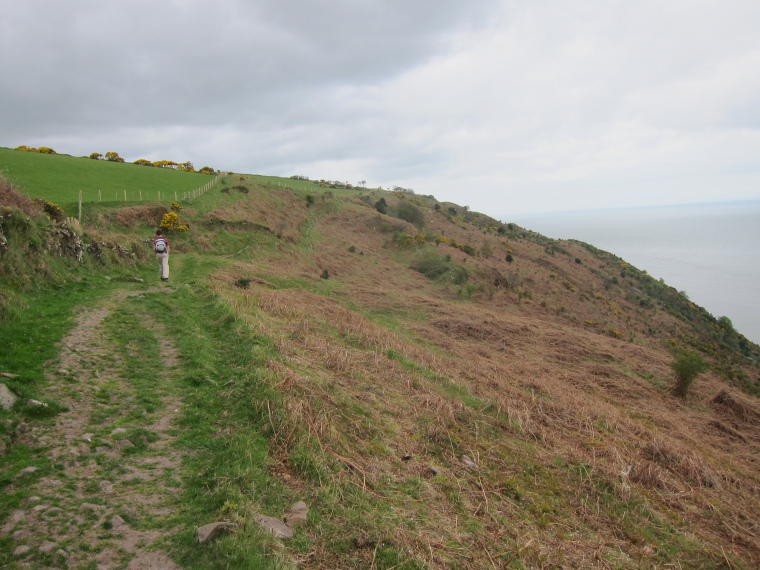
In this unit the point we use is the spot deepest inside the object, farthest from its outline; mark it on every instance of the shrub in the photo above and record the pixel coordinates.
(53, 211)
(468, 249)
(686, 365)
(113, 157)
(42, 149)
(509, 258)
(381, 206)
(437, 267)
(98, 156)
(325, 274)
(410, 213)
(309, 200)
(170, 221)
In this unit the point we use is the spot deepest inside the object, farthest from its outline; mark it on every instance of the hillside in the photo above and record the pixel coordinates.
(442, 390)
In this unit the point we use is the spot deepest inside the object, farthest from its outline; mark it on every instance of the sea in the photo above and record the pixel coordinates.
(709, 251)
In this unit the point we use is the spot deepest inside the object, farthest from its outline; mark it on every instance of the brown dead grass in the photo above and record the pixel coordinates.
(10, 197)
(147, 214)
(550, 408)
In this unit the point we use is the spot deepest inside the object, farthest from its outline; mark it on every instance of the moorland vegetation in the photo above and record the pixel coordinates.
(442, 389)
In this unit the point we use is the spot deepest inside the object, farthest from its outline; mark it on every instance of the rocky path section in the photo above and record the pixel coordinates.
(107, 499)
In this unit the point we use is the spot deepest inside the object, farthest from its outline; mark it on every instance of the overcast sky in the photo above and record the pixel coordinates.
(505, 106)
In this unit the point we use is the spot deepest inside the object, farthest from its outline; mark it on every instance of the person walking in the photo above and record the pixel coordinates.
(161, 248)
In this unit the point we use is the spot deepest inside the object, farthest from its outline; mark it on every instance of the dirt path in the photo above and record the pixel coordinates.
(107, 501)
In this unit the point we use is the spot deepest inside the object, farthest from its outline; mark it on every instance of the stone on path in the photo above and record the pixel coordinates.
(8, 375)
(26, 471)
(125, 443)
(47, 546)
(296, 515)
(117, 521)
(7, 398)
(106, 487)
(210, 531)
(21, 550)
(278, 528)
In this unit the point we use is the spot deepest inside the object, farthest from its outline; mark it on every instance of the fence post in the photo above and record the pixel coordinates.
(80, 206)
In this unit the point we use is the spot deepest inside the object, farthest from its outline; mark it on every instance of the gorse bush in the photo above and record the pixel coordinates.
(42, 149)
(170, 222)
(53, 211)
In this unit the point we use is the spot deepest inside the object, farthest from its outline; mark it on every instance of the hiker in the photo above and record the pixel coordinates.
(161, 247)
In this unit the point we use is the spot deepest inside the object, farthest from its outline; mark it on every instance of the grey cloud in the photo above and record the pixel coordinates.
(499, 100)
(169, 63)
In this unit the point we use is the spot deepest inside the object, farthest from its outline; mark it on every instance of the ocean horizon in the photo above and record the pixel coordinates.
(709, 251)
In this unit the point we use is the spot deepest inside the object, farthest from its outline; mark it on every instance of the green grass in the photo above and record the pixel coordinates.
(227, 406)
(59, 178)
(308, 186)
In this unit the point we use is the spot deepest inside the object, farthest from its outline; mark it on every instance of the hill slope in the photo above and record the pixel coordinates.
(435, 405)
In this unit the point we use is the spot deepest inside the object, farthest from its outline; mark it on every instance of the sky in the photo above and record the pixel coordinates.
(504, 106)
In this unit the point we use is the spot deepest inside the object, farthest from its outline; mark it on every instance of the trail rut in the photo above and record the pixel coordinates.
(108, 500)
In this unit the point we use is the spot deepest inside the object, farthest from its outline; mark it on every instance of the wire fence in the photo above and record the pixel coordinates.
(132, 195)
(203, 189)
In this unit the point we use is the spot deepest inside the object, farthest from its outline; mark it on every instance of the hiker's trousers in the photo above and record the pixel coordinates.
(163, 264)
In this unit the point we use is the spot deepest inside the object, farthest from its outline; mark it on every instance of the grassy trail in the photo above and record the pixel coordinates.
(127, 459)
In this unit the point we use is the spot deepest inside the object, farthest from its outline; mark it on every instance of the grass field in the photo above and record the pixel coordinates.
(59, 178)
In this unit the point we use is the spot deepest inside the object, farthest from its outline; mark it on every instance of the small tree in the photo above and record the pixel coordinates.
(95, 156)
(381, 206)
(113, 157)
(686, 366)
